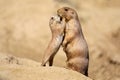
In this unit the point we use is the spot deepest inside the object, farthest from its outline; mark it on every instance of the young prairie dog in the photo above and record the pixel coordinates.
(74, 43)
(57, 26)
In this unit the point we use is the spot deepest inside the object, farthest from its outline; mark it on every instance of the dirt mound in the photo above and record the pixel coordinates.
(13, 68)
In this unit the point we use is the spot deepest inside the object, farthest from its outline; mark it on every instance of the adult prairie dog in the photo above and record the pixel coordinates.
(74, 43)
(57, 26)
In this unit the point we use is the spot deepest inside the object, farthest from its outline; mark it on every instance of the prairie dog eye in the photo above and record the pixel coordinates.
(66, 9)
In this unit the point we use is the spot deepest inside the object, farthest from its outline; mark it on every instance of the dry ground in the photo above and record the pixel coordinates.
(13, 68)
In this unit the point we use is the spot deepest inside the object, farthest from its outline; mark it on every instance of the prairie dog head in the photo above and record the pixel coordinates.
(57, 25)
(67, 13)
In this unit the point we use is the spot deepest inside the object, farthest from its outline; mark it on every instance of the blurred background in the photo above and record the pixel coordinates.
(25, 32)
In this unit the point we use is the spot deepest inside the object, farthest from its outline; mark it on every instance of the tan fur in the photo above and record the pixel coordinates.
(57, 27)
(74, 43)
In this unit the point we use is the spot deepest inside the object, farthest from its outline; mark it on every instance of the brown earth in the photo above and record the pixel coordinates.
(24, 31)
(13, 68)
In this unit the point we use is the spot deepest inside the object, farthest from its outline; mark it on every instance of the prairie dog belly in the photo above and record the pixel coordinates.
(76, 49)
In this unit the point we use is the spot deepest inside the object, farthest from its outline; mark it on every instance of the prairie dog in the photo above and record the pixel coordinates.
(74, 43)
(57, 26)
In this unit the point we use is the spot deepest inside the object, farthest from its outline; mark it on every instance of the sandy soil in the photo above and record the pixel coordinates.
(25, 69)
(24, 31)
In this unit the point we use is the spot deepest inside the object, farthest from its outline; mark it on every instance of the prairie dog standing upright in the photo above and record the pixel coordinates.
(57, 26)
(74, 43)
